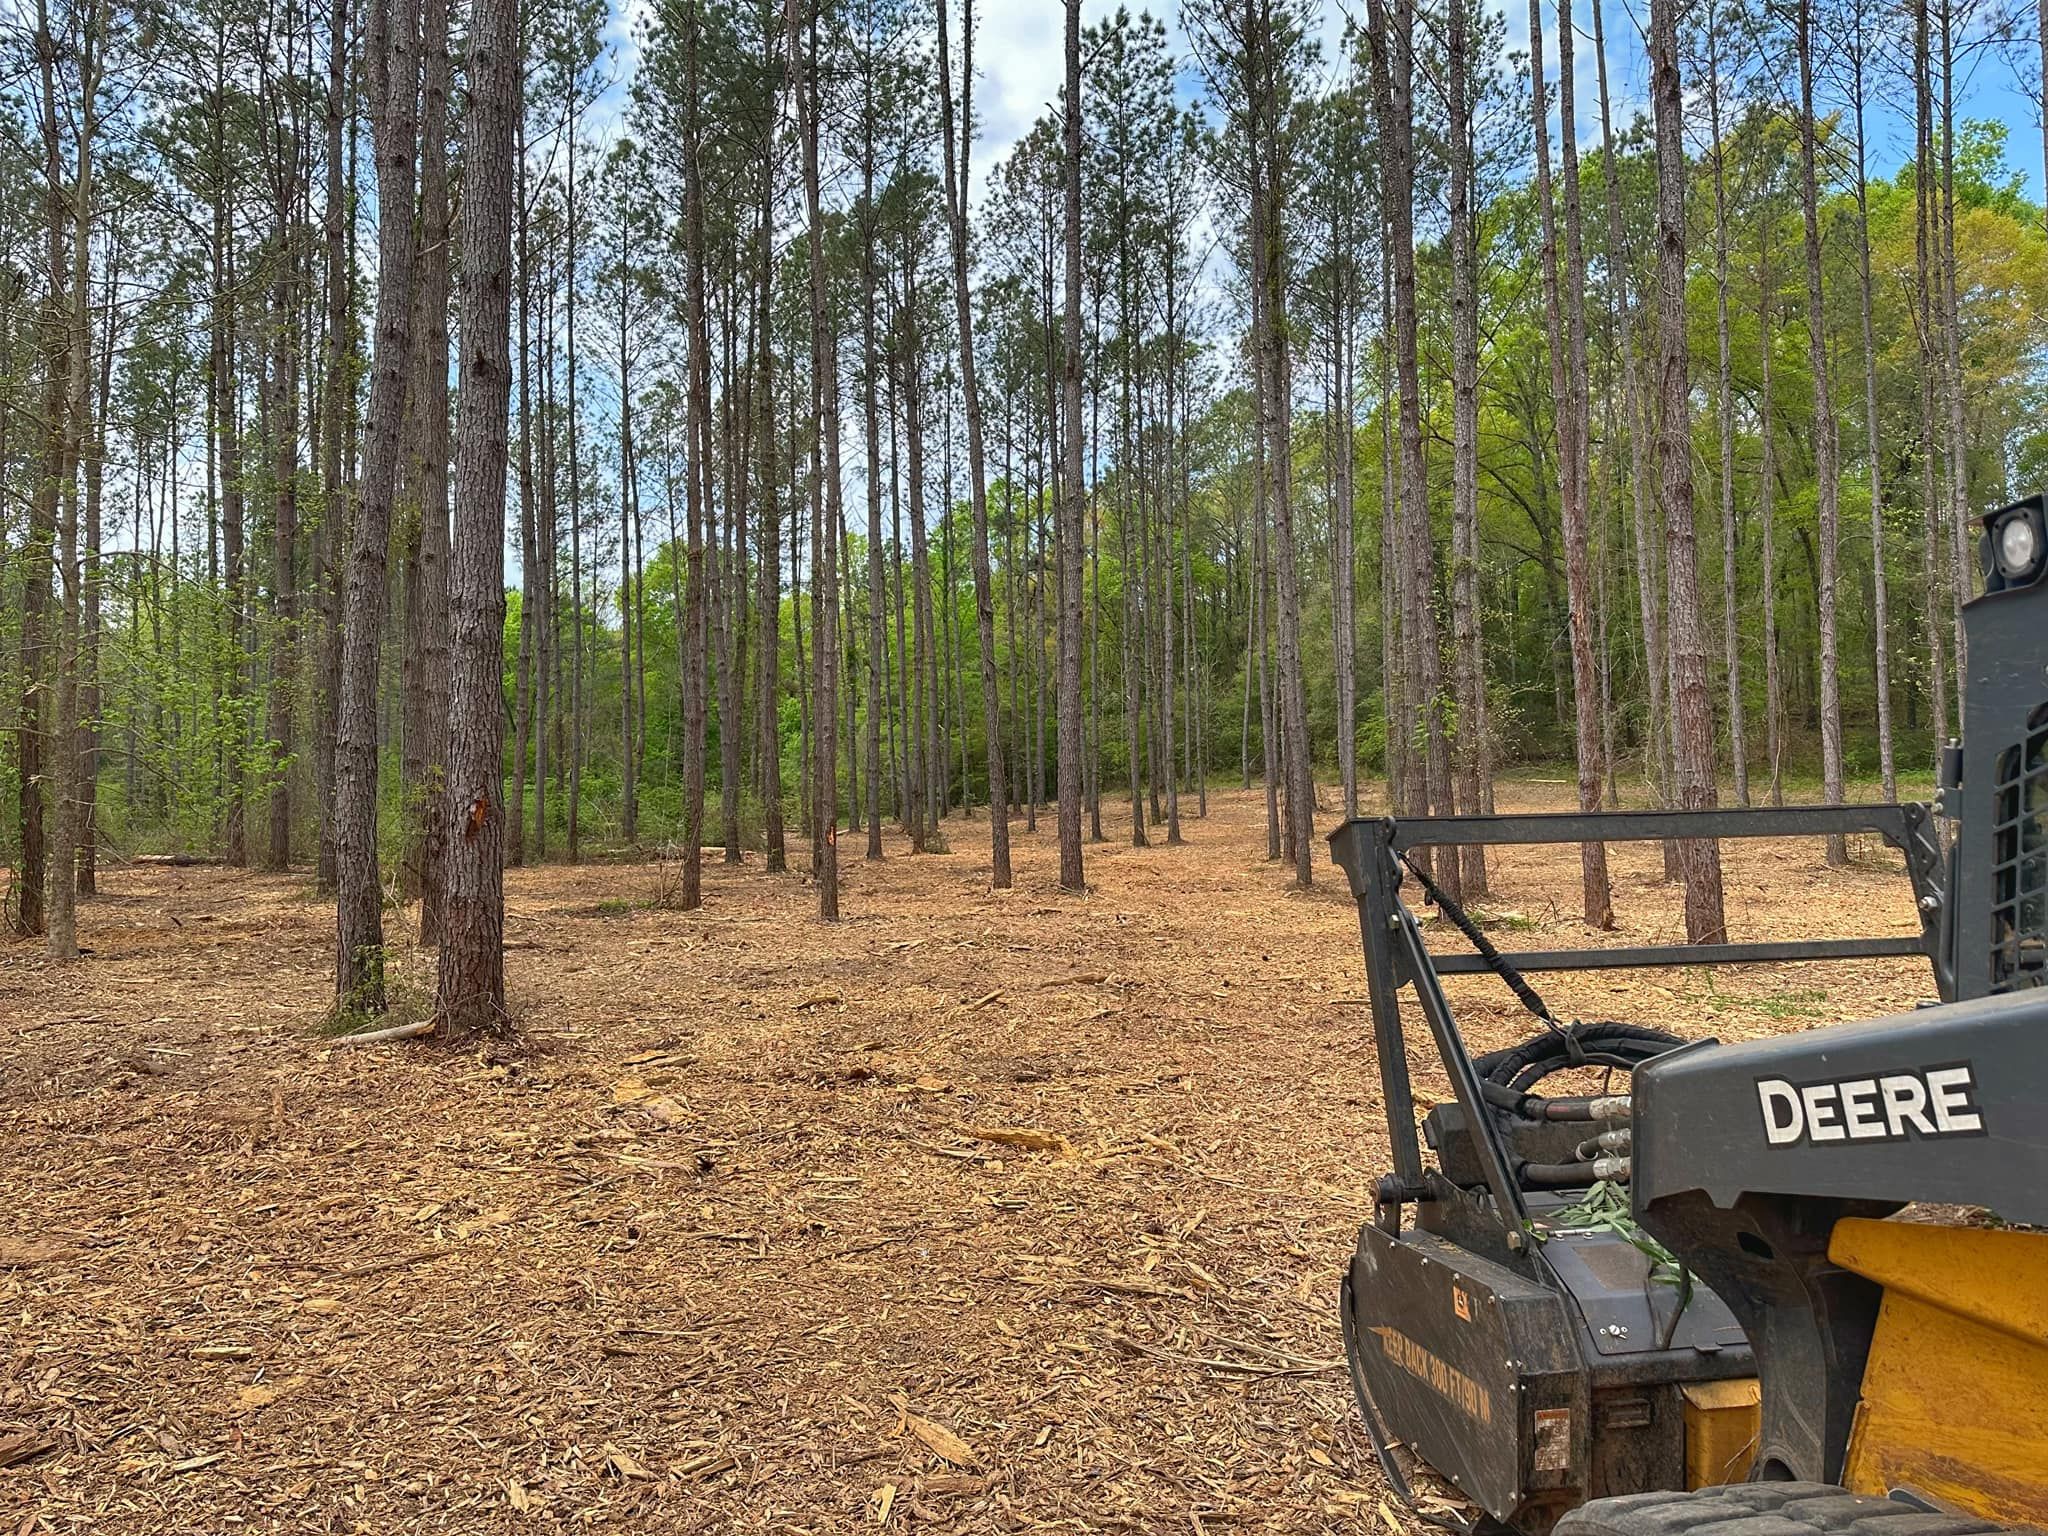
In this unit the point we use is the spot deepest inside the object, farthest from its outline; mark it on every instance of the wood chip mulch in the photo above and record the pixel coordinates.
(978, 1212)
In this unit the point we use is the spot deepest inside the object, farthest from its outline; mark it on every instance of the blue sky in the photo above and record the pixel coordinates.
(1018, 64)
(1018, 56)
(1019, 70)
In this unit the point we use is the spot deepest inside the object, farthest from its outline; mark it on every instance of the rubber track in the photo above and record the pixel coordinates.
(1768, 1509)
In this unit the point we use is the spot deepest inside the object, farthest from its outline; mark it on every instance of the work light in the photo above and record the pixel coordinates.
(2016, 545)
(2019, 547)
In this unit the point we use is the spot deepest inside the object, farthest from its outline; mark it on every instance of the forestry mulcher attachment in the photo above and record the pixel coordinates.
(1725, 1288)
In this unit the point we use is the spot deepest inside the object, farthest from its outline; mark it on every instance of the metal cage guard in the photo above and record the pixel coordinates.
(1370, 851)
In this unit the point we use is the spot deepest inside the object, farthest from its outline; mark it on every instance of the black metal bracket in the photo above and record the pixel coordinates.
(1908, 828)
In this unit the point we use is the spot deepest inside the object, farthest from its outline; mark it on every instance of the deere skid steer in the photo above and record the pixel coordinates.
(1763, 1289)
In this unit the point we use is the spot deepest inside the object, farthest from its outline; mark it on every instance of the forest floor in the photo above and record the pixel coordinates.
(738, 1235)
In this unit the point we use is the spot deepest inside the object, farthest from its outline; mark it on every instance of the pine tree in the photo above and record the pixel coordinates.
(470, 994)
(1693, 723)
(394, 71)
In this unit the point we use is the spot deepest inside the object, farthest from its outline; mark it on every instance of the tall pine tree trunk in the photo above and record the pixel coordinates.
(1073, 490)
(426, 712)
(1567, 360)
(337, 394)
(359, 897)
(1930, 372)
(1298, 776)
(1767, 509)
(1393, 72)
(68, 431)
(1724, 411)
(1466, 641)
(284, 557)
(1343, 519)
(471, 991)
(769, 562)
(578, 700)
(956, 186)
(1880, 619)
(1394, 709)
(697, 489)
(1826, 446)
(526, 681)
(94, 582)
(224, 450)
(1693, 722)
(825, 512)
(870, 383)
(1655, 659)
(1949, 324)
(629, 754)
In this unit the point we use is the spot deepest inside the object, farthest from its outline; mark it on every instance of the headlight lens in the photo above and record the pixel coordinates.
(2019, 546)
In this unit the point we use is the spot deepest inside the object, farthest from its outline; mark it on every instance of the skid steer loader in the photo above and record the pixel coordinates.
(1764, 1289)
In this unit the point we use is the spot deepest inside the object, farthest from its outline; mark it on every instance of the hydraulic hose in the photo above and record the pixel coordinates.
(1619, 1140)
(1574, 1175)
(1622, 1046)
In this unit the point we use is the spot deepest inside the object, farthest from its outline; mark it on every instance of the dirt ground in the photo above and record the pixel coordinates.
(724, 1244)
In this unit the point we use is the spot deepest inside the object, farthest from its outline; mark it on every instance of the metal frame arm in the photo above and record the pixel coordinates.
(1370, 852)
(1908, 828)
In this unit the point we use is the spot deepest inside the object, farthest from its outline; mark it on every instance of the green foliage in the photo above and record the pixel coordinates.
(1606, 1206)
(1172, 478)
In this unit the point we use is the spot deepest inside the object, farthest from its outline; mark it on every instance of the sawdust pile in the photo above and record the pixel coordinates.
(977, 1212)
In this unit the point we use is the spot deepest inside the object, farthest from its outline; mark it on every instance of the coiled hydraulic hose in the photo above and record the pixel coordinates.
(1623, 1046)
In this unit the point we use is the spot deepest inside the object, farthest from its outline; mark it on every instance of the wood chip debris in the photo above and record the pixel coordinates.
(1029, 1138)
(936, 1437)
(621, 1464)
(25, 1446)
(658, 1263)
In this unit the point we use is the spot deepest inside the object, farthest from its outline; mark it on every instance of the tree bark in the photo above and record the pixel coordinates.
(1961, 552)
(629, 753)
(1693, 734)
(825, 510)
(956, 185)
(1393, 668)
(1567, 365)
(1393, 70)
(928, 737)
(426, 714)
(526, 733)
(1655, 658)
(871, 368)
(697, 491)
(578, 700)
(1724, 411)
(359, 897)
(1467, 644)
(1880, 621)
(1767, 509)
(224, 458)
(67, 431)
(1271, 264)
(284, 602)
(470, 995)
(1074, 491)
(1826, 446)
(338, 388)
(1344, 513)
(769, 563)
(1930, 370)
(731, 581)
(94, 582)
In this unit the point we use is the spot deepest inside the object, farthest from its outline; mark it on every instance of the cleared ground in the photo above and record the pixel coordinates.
(723, 1244)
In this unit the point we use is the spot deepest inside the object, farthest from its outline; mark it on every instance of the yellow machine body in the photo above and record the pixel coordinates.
(1955, 1393)
(1721, 1421)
